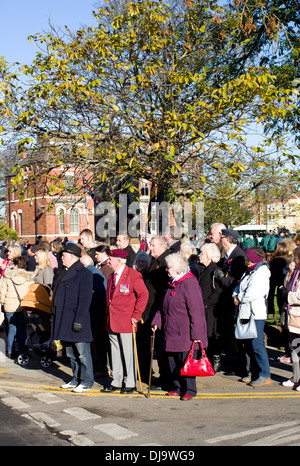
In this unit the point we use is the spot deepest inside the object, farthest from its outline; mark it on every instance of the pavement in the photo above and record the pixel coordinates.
(34, 377)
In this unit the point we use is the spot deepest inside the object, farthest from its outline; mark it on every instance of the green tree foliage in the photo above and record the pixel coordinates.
(7, 233)
(160, 90)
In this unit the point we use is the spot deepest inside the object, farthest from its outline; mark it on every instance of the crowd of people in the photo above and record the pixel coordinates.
(109, 301)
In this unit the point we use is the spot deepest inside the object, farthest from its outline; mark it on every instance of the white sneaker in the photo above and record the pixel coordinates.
(288, 383)
(69, 385)
(298, 388)
(80, 389)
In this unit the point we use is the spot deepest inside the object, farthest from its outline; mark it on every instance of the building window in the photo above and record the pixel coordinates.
(20, 224)
(61, 220)
(74, 221)
(14, 221)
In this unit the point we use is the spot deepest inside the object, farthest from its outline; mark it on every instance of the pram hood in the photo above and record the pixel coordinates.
(38, 297)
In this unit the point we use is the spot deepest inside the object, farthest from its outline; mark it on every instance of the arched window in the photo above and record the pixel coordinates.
(61, 220)
(14, 218)
(74, 221)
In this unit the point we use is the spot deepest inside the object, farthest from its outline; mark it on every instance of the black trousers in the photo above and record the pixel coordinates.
(182, 385)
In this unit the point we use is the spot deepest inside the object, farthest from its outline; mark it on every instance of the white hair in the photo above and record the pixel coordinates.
(187, 250)
(178, 262)
(220, 226)
(212, 251)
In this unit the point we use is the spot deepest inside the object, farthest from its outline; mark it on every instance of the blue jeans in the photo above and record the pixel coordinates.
(81, 362)
(16, 326)
(260, 351)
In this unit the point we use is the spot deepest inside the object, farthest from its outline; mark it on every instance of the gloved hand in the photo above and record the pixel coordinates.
(219, 274)
(76, 326)
(284, 292)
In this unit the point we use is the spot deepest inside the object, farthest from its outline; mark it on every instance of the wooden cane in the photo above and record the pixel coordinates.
(151, 361)
(136, 358)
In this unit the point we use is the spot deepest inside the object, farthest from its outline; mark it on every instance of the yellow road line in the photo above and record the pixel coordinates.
(157, 395)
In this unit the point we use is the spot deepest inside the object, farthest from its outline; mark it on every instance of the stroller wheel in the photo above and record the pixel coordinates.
(46, 361)
(23, 359)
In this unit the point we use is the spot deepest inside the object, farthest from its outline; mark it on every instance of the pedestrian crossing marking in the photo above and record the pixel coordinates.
(115, 431)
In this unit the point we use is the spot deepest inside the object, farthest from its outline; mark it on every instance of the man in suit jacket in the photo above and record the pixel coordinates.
(70, 322)
(126, 300)
(233, 268)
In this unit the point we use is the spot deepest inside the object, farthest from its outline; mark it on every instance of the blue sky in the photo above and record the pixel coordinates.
(21, 18)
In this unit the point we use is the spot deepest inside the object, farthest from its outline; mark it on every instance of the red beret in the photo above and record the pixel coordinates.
(119, 253)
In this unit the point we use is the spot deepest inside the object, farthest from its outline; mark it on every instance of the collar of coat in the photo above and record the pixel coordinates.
(189, 274)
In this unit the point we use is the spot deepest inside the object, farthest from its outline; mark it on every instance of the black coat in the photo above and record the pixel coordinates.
(233, 270)
(158, 281)
(131, 256)
(211, 292)
(71, 300)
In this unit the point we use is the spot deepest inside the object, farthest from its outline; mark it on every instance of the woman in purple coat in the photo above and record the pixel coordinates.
(182, 318)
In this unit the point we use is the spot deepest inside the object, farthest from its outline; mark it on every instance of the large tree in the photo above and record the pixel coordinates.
(160, 90)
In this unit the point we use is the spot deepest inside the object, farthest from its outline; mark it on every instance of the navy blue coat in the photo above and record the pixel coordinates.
(71, 302)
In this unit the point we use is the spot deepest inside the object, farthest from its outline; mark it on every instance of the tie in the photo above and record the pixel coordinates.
(113, 286)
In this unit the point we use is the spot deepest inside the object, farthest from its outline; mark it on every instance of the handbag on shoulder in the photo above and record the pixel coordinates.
(245, 329)
(197, 367)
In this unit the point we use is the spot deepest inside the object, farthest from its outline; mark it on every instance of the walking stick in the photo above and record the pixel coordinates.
(136, 358)
(151, 361)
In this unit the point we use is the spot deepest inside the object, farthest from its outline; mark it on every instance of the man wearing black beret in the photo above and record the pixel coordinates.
(70, 311)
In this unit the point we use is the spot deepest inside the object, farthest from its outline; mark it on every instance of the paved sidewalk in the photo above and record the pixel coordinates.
(220, 385)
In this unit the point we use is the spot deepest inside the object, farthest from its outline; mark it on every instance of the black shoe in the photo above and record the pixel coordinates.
(216, 363)
(110, 389)
(127, 390)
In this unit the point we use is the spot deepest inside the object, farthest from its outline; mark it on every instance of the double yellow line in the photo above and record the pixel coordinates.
(18, 386)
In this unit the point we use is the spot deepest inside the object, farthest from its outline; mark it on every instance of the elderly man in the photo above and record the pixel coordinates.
(173, 243)
(232, 270)
(70, 311)
(126, 300)
(215, 235)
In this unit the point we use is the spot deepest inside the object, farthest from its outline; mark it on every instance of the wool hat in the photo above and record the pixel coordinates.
(73, 248)
(253, 257)
(119, 253)
(230, 233)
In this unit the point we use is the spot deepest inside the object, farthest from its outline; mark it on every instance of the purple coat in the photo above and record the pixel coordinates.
(182, 316)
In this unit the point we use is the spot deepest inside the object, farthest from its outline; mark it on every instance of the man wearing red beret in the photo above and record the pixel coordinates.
(126, 300)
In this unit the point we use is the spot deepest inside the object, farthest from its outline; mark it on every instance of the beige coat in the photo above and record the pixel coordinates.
(294, 303)
(8, 296)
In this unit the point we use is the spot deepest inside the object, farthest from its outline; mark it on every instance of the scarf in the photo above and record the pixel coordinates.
(294, 279)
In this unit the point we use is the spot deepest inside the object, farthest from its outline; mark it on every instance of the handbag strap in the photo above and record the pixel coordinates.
(16, 292)
(192, 349)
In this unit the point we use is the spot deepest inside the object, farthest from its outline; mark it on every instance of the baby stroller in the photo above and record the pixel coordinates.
(36, 306)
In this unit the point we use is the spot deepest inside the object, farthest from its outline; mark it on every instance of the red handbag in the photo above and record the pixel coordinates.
(197, 367)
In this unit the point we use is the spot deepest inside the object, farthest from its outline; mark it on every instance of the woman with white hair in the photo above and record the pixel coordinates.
(189, 251)
(183, 321)
(211, 291)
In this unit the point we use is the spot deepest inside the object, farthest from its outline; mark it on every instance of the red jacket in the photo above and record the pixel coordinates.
(129, 300)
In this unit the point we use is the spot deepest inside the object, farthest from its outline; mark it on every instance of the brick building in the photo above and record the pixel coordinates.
(31, 216)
